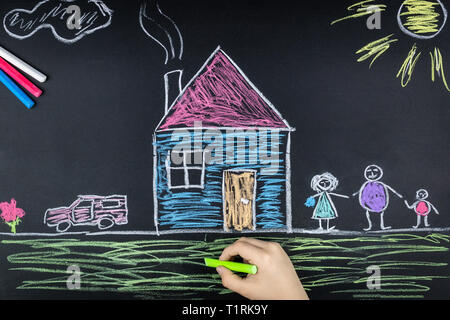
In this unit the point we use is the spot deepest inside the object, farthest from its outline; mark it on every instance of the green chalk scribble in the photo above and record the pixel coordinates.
(156, 268)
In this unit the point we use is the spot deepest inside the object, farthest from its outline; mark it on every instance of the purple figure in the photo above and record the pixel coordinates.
(374, 194)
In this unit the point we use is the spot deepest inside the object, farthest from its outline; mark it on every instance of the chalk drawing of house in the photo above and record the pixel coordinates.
(222, 156)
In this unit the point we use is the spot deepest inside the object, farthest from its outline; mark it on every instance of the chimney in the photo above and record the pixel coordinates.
(172, 87)
(164, 31)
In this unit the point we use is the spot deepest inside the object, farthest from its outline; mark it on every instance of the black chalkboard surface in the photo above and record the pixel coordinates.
(356, 100)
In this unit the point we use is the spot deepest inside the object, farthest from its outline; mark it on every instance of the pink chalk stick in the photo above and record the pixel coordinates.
(19, 78)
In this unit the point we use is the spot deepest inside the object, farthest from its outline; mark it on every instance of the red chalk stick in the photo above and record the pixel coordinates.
(19, 78)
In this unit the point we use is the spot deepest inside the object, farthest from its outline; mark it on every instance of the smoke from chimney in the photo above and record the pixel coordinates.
(163, 30)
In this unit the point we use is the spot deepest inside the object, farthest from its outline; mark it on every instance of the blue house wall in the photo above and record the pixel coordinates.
(203, 208)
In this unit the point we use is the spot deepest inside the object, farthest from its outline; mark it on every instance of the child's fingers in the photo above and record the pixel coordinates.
(258, 243)
(231, 280)
(246, 250)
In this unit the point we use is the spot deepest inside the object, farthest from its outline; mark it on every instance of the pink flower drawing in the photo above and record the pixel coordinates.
(11, 214)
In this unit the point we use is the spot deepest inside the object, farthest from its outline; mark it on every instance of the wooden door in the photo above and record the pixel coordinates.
(239, 200)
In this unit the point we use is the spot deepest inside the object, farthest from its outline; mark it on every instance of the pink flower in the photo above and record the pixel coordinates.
(10, 212)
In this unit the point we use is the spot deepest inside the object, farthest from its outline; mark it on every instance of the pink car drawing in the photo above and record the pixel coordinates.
(103, 211)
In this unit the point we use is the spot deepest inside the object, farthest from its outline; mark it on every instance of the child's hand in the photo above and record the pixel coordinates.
(276, 278)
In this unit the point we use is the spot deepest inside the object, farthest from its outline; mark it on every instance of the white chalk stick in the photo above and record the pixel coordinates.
(22, 65)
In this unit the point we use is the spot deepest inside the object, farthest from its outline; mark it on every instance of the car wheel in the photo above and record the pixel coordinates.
(105, 223)
(63, 226)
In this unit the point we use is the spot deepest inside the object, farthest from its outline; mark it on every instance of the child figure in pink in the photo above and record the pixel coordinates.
(421, 207)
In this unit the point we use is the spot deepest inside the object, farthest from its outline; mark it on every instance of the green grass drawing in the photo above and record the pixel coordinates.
(157, 268)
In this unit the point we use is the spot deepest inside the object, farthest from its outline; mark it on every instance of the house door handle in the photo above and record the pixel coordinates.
(245, 201)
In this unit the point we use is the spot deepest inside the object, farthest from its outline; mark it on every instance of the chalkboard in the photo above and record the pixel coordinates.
(356, 101)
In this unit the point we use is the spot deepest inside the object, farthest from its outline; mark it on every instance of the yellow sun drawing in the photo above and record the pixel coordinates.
(419, 19)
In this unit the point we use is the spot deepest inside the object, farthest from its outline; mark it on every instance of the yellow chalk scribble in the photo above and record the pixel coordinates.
(362, 9)
(438, 66)
(408, 65)
(419, 19)
(421, 16)
(375, 49)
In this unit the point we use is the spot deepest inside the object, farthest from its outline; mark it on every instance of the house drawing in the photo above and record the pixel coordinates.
(221, 156)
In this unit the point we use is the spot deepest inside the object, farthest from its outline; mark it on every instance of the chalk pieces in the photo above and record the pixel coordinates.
(16, 90)
(22, 65)
(19, 78)
(6, 71)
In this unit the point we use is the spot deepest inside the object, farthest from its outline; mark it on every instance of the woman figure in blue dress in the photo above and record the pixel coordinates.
(324, 184)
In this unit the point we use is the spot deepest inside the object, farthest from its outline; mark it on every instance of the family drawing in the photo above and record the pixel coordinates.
(373, 198)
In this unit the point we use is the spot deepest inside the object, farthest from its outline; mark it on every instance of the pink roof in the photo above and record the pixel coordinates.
(221, 96)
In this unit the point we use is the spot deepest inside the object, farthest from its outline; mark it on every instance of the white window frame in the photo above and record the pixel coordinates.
(111, 200)
(186, 167)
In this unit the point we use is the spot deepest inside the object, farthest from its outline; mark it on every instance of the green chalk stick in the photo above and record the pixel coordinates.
(233, 266)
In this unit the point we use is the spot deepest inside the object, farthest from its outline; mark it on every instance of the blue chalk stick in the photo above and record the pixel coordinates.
(26, 100)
